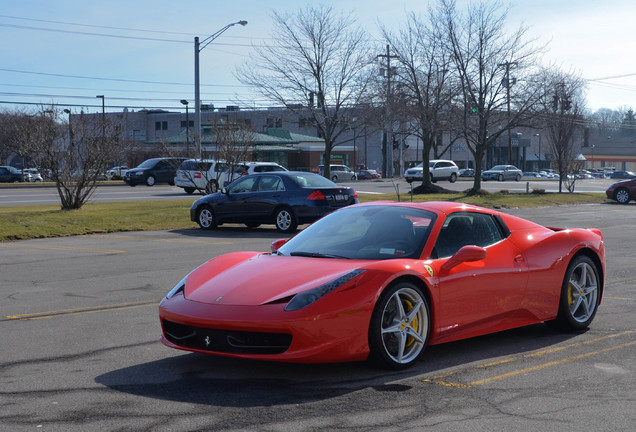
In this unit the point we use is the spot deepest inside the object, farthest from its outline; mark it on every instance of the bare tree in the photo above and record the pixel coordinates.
(316, 65)
(425, 84)
(561, 109)
(76, 153)
(485, 58)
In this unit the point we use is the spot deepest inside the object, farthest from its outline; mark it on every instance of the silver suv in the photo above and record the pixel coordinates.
(439, 169)
(209, 175)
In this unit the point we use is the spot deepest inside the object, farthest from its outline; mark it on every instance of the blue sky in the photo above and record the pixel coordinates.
(66, 51)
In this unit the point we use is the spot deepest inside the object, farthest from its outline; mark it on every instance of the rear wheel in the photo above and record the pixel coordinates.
(189, 190)
(206, 218)
(622, 196)
(580, 295)
(285, 220)
(399, 327)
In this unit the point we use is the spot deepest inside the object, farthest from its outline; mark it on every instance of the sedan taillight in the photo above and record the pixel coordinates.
(316, 196)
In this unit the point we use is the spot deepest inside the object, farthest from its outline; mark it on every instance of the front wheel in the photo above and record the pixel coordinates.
(150, 181)
(205, 218)
(400, 327)
(518, 178)
(622, 196)
(285, 220)
(500, 178)
(580, 295)
(453, 178)
(189, 190)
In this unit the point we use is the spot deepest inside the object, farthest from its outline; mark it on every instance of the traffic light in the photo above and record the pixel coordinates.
(555, 103)
(566, 105)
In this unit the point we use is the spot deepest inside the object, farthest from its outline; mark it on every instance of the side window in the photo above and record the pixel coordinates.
(244, 185)
(466, 228)
(269, 183)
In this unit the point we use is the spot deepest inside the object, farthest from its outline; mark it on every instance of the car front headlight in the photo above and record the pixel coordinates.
(306, 298)
(179, 287)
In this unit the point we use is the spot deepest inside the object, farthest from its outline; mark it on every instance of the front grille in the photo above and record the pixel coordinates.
(226, 341)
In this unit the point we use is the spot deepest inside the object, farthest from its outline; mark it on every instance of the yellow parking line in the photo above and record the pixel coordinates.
(441, 379)
(548, 364)
(177, 240)
(80, 311)
(619, 298)
(63, 248)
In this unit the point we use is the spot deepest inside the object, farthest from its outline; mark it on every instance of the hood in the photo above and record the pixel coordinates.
(251, 280)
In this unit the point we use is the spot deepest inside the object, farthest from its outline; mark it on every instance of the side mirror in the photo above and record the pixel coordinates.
(224, 191)
(465, 254)
(277, 244)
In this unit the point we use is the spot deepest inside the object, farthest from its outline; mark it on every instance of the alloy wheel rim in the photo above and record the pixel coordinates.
(582, 292)
(404, 326)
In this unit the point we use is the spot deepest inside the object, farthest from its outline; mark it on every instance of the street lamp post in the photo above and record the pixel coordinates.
(103, 115)
(70, 128)
(185, 102)
(198, 46)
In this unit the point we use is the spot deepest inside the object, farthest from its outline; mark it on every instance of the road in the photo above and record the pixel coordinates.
(80, 351)
(11, 195)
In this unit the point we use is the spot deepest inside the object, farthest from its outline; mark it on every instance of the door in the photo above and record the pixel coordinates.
(475, 296)
(235, 206)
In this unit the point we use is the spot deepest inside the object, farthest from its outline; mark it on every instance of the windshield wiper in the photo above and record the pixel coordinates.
(316, 255)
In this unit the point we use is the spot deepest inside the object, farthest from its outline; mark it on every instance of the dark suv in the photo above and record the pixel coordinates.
(152, 171)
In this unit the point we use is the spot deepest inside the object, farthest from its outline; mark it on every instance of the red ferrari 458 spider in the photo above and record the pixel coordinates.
(383, 280)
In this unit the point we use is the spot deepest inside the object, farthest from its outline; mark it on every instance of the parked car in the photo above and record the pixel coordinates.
(153, 171)
(117, 172)
(502, 172)
(384, 280)
(209, 175)
(367, 174)
(9, 174)
(531, 174)
(338, 172)
(466, 172)
(622, 191)
(623, 175)
(283, 198)
(439, 170)
(204, 175)
(35, 175)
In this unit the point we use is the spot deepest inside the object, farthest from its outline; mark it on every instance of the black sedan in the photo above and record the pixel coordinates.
(283, 198)
(9, 174)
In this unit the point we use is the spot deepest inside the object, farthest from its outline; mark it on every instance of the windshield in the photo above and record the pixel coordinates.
(148, 164)
(365, 232)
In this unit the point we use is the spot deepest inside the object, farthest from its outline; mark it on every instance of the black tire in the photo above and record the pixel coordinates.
(334, 178)
(433, 179)
(500, 178)
(211, 187)
(409, 181)
(518, 178)
(453, 178)
(285, 220)
(622, 196)
(150, 180)
(206, 218)
(399, 332)
(189, 190)
(580, 294)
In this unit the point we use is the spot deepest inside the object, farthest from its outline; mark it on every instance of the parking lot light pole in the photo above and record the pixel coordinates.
(103, 115)
(185, 102)
(198, 46)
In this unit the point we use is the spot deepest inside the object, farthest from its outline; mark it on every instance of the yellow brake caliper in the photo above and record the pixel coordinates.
(408, 307)
(570, 294)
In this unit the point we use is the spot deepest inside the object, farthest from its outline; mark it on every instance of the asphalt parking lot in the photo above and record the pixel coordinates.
(80, 350)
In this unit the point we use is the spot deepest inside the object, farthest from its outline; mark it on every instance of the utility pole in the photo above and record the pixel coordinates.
(388, 156)
(508, 84)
